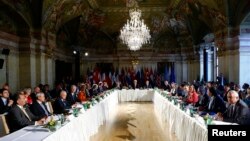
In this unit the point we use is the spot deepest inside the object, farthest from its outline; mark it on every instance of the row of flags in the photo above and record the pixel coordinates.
(126, 75)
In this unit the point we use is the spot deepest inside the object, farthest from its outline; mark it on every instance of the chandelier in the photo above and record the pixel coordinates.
(135, 33)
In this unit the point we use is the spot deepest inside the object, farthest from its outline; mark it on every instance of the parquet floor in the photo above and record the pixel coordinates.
(134, 122)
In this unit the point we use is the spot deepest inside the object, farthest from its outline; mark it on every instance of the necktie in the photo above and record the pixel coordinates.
(232, 111)
(44, 109)
(26, 114)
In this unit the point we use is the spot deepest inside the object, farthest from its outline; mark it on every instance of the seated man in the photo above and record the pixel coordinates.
(135, 85)
(38, 107)
(166, 86)
(147, 85)
(20, 117)
(237, 111)
(5, 101)
(72, 96)
(61, 105)
(216, 103)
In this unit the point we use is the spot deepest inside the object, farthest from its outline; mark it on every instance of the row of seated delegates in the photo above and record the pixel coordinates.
(102, 86)
(247, 98)
(135, 85)
(237, 111)
(5, 101)
(20, 115)
(212, 102)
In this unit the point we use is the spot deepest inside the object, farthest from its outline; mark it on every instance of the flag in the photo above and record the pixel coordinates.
(103, 76)
(166, 73)
(172, 76)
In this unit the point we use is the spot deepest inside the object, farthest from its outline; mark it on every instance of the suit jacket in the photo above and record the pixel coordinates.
(135, 87)
(148, 86)
(37, 109)
(217, 105)
(4, 108)
(18, 120)
(203, 101)
(71, 98)
(240, 115)
(60, 107)
(167, 88)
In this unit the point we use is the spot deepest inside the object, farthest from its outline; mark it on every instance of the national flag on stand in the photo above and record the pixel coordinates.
(166, 76)
(172, 76)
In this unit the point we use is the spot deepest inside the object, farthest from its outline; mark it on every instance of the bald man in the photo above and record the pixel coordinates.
(237, 110)
(61, 104)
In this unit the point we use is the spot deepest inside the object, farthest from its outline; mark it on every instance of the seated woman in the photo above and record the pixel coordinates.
(82, 95)
(27, 92)
(192, 97)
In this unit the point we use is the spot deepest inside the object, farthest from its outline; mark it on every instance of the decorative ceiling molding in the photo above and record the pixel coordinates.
(93, 4)
(125, 9)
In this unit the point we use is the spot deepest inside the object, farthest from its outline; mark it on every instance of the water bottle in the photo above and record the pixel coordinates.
(62, 118)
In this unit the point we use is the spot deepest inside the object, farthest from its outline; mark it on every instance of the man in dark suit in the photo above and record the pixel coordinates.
(216, 103)
(166, 86)
(72, 96)
(61, 104)
(38, 107)
(5, 101)
(147, 85)
(135, 85)
(237, 111)
(20, 116)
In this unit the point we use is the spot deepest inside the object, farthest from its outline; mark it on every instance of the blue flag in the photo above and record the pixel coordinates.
(172, 76)
(166, 73)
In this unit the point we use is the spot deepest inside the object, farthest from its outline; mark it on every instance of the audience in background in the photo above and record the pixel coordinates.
(237, 111)
(5, 101)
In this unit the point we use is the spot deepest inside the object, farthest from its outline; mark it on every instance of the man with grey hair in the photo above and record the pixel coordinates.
(237, 111)
(38, 107)
(61, 104)
(72, 95)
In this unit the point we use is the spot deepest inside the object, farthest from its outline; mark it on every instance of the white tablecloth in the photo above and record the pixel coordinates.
(136, 95)
(85, 125)
(185, 127)
(78, 129)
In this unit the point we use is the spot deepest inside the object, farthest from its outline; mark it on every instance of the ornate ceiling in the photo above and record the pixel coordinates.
(96, 23)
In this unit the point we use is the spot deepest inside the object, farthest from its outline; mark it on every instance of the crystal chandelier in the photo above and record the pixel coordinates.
(135, 33)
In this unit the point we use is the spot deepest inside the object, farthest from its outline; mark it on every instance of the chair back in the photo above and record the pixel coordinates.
(4, 128)
(49, 106)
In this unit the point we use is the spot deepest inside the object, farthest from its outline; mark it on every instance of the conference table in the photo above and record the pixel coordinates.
(81, 128)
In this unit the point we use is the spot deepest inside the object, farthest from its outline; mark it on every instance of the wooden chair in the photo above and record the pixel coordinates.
(4, 129)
